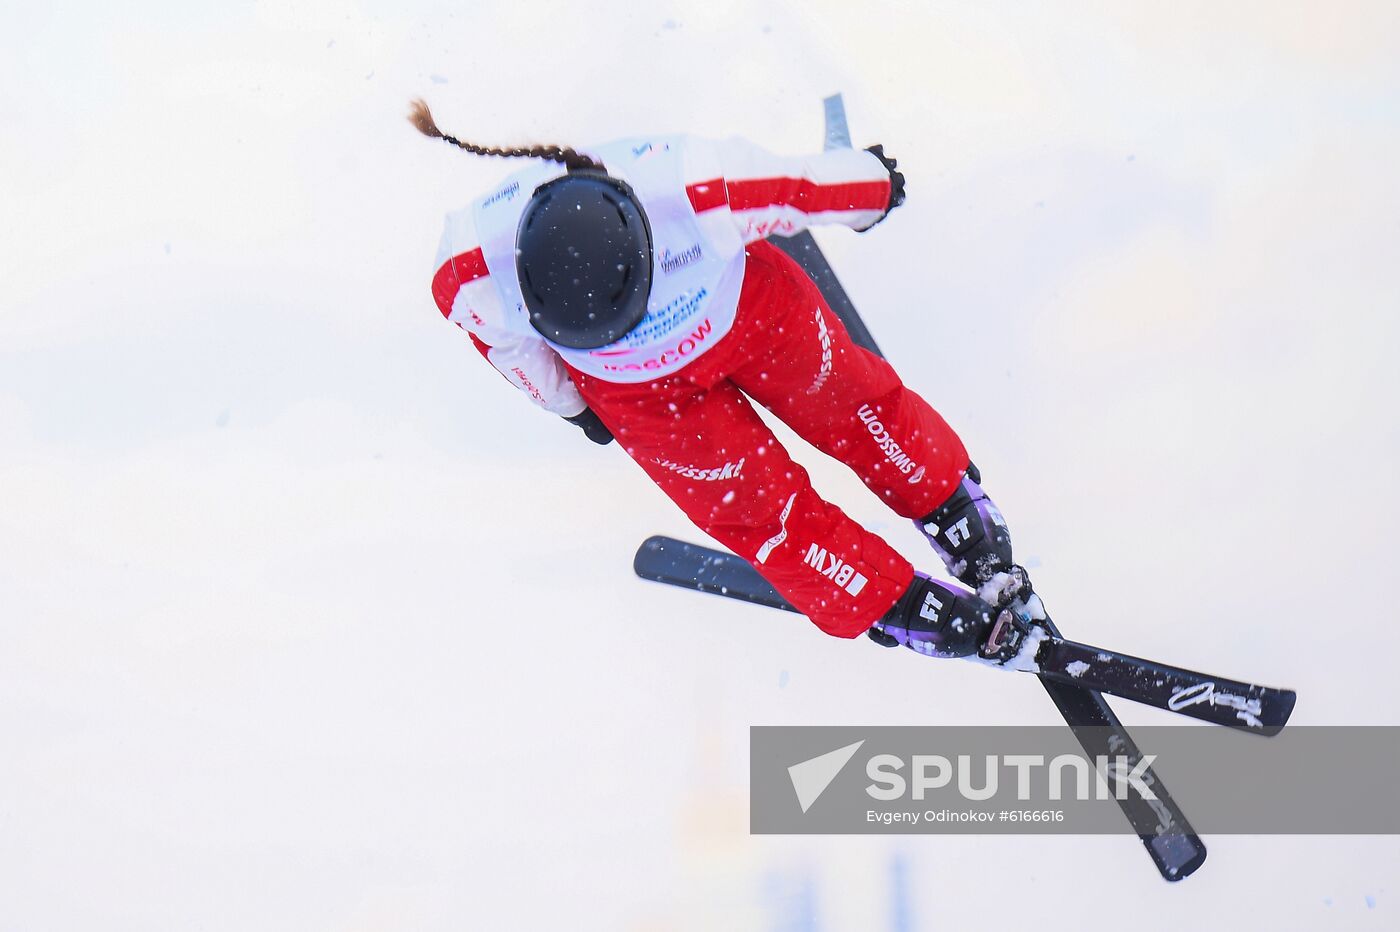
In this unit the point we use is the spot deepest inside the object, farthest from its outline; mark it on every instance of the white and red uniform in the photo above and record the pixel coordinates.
(728, 316)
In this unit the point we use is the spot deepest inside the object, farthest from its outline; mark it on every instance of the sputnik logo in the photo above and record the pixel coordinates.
(811, 777)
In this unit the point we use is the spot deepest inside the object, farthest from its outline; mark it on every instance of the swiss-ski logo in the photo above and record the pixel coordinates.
(730, 470)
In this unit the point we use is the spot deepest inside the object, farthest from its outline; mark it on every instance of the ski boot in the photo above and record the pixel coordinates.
(937, 619)
(968, 533)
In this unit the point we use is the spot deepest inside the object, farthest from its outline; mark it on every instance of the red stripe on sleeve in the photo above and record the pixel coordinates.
(706, 195)
(456, 272)
(480, 346)
(807, 196)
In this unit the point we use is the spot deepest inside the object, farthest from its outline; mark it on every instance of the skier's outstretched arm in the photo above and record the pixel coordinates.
(463, 291)
(771, 194)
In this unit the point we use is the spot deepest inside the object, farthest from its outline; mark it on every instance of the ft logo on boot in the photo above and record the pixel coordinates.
(969, 534)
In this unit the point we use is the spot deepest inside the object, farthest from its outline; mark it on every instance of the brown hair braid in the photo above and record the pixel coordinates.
(422, 118)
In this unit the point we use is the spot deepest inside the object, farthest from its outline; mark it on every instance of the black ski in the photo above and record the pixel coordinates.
(1257, 709)
(1169, 839)
(1171, 842)
(690, 566)
(1260, 710)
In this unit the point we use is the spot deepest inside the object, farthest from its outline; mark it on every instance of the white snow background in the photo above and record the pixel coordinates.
(309, 621)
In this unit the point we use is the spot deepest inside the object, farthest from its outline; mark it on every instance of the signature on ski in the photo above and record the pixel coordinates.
(1246, 710)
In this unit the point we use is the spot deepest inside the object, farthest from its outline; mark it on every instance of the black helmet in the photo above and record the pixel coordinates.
(583, 254)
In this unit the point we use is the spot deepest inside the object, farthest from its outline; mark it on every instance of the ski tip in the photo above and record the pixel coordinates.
(1281, 708)
(653, 544)
(1176, 855)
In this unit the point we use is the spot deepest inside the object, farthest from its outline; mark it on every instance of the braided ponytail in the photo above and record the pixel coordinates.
(422, 119)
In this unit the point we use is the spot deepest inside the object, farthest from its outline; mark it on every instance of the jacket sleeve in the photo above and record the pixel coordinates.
(771, 194)
(465, 294)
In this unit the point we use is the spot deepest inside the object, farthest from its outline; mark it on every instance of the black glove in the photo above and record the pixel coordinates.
(896, 179)
(593, 428)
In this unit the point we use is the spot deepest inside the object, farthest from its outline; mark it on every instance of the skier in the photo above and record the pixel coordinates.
(630, 290)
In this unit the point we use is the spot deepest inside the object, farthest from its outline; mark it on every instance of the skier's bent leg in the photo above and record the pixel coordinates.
(838, 396)
(851, 404)
(710, 453)
(832, 569)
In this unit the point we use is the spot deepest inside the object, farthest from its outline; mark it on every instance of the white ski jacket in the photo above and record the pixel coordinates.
(704, 200)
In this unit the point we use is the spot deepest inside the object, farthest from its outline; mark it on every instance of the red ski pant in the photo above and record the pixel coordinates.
(699, 439)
